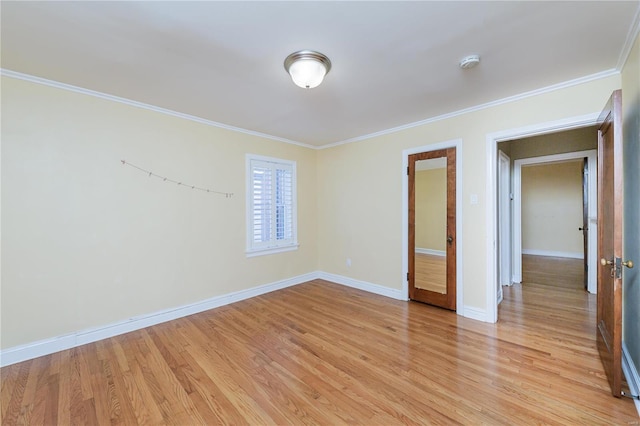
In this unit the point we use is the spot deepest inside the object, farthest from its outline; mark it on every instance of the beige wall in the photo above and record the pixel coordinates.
(359, 212)
(431, 209)
(552, 208)
(87, 241)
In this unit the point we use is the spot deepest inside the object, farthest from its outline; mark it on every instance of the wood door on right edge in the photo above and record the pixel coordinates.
(609, 298)
(432, 228)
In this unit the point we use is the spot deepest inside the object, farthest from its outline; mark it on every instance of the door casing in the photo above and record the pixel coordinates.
(492, 140)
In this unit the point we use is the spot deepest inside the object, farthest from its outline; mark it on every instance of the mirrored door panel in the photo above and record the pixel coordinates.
(431, 225)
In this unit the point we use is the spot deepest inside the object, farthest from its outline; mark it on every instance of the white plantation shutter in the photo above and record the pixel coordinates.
(262, 192)
(271, 216)
(284, 203)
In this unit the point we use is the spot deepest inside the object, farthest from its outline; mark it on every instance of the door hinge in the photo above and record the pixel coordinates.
(407, 170)
(407, 276)
(630, 395)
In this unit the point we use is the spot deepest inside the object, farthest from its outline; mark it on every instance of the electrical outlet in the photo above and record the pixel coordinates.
(348, 262)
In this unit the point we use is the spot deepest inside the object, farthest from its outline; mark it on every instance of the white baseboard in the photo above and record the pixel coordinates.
(549, 253)
(630, 371)
(55, 344)
(466, 311)
(631, 374)
(60, 343)
(363, 285)
(475, 314)
(432, 252)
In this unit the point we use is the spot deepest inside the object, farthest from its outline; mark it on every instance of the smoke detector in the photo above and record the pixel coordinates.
(469, 61)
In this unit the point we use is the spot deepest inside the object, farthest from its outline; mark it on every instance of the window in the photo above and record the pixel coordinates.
(271, 205)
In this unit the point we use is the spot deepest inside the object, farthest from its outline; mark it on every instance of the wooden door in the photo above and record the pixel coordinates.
(432, 270)
(609, 299)
(585, 220)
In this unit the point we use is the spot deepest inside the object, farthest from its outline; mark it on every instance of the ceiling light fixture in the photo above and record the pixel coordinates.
(307, 68)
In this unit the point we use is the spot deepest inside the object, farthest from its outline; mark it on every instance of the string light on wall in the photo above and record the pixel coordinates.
(165, 179)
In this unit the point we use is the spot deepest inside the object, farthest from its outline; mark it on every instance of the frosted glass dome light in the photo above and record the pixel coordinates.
(307, 68)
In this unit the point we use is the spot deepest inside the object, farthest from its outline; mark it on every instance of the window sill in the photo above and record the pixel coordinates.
(273, 250)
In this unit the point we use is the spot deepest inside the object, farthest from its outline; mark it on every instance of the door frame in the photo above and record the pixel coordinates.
(457, 144)
(492, 140)
(592, 255)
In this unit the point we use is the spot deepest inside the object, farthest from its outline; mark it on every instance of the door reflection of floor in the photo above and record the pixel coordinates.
(431, 273)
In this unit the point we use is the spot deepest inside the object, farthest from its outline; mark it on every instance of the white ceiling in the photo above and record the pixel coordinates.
(394, 63)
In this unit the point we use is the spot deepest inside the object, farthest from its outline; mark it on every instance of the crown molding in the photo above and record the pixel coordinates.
(58, 85)
(536, 92)
(525, 95)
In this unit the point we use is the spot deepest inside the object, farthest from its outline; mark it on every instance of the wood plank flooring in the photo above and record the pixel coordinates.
(321, 353)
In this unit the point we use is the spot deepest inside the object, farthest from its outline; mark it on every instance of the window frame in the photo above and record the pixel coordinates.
(272, 245)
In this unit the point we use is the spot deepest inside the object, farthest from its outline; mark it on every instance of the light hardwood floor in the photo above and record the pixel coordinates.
(320, 353)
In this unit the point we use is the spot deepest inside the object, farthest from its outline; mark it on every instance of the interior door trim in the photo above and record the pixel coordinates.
(491, 185)
(457, 144)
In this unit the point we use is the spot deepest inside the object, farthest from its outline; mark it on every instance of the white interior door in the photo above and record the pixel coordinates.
(504, 221)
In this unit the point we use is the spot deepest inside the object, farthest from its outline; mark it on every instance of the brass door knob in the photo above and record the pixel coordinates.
(605, 262)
